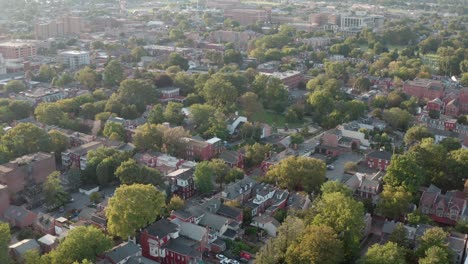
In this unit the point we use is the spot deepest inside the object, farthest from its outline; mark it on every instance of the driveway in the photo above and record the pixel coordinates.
(337, 173)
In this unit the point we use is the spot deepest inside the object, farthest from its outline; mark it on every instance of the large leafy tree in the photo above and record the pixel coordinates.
(417, 133)
(87, 77)
(394, 201)
(220, 93)
(148, 136)
(389, 253)
(115, 131)
(298, 173)
(15, 86)
(49, 113)
(53, 190)
(113, 73)
(81, 243)
(5, 237)
(200, 114)
(155, 115)
(130, 172)
(435, 255)
(176, 59)
(59, 143)
(136, 92)
(173, 113)
(404, 171)
(335, 186)
(255, 153)
(275, 249)
(133, 207)
(345, 216)
(25, 138)
(101, 165)
(319, 244)
(204, 176)
(397, 118)
(433, 237)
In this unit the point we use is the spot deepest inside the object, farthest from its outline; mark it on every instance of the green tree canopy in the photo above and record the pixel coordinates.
(335, 186)
(133, 207)
(54, 192)
(5, 237)
(433, 237)
(87, 77)
(176, 59)
(204, 177)
(389, 253)
(394, 201)
(275, 249)
(435, 255)
(130, 172)
(416, 134)
(319, 244)
(15, 86)
(81, 243)
(49, 113)
(298, 173)
(345, 216)
(404, 171)
(113, 128)
(113, 73)
(25, 138)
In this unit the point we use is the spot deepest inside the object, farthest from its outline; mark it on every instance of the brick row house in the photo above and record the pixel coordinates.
(445, 208)
(198, 149)
(181, 182)
(77, 156)
(378, 160)
(424, 88)
(163, 241)
(451, 104)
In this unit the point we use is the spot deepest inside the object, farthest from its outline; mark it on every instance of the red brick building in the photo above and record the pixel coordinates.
(378, 160)
(182, 183)
(19, 216)
(162, 242)
(435, 105)
(4, 199)
(443, 208)
(198, 149)
(26, 170)
(248, 16)
(18, 50)
(290, 79)
(424, 88)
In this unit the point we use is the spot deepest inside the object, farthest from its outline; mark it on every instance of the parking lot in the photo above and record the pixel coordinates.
(337, 173)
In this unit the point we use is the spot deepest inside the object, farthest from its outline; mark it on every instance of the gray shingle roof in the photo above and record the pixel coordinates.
(25, 245)
(190, 230)
(122, 251)
(162, 228)
(213, 221)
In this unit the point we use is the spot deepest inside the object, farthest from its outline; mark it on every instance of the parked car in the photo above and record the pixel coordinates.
(220, 257)
(245, 255)
(330, 167)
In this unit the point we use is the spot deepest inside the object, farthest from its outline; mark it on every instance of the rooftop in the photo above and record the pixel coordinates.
(162, 228)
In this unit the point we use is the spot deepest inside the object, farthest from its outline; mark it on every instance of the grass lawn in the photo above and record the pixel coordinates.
(272, 119)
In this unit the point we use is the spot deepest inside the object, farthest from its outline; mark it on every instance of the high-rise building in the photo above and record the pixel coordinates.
(74, 59)
(248, 16)
(18, 50)
(66, 25)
